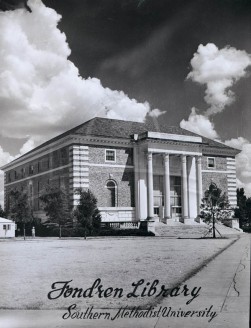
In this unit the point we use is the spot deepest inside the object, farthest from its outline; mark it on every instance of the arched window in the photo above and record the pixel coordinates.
(112, 191)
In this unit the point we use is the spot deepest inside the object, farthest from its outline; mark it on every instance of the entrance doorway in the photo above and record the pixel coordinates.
(175, 194)
(158, 194)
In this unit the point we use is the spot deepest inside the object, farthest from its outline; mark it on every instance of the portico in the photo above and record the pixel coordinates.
(169, 178)
(191, 189)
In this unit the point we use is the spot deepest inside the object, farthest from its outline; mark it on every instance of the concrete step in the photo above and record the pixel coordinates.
(191, 231)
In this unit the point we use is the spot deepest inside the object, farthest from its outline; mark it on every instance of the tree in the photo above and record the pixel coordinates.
(86, 212)
(56, 206)
(2, 212)
(20, 209)
(248, 212)
(215, 207)
(241, 212)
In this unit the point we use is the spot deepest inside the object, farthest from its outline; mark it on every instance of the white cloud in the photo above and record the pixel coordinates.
(199, 124)
(218, 69)
(27, 146)
(155, 112)
(237, 142)
(41, 92)
(5, 158)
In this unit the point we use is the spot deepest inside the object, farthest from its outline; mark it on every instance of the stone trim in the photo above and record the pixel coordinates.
(214, 171)
(231, 181)
(78, 173)
(112, 165)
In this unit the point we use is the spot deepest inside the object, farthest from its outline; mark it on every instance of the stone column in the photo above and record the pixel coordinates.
(167, 214)
(184, 187)
(150, 213)
(136, 181)
(199, 182)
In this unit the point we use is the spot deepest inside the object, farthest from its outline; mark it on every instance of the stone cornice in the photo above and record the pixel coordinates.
(66, 141)
(93, 140)
(171, 142)
(220, 151)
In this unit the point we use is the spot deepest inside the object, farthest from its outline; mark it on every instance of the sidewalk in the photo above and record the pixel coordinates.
(225, 285)
(222, 301)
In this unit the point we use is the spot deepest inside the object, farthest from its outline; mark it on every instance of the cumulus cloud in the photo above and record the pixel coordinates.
(40, 89)
(199, 124)
(218, 69)
(5, 158)
(155, 112)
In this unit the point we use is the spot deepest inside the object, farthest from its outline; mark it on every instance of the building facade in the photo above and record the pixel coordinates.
(137, 171)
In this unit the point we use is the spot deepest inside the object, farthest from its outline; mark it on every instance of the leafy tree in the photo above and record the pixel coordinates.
(215, 207)
(20, 210)
(2, 212)
(86, 212)
(56, 206)
(242, 210)
(248, 211)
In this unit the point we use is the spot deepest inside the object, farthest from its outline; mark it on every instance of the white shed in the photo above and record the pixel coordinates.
(7, 228)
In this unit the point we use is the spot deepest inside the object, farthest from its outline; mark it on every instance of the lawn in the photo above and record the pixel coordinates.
(28, 268)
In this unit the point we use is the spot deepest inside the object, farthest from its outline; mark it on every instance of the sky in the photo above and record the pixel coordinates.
(186, 63)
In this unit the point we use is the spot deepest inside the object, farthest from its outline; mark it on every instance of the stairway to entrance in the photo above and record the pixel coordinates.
(196, 230)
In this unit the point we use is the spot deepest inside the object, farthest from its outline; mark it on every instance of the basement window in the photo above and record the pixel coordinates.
(211, 162)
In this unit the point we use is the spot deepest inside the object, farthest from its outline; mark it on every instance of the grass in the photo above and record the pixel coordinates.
(28, 268)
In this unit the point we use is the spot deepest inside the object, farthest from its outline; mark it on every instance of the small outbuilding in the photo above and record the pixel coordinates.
(7, 228)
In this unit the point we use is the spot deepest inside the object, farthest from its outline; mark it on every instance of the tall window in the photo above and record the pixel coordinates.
(112, 190)
(31, 169)
(23, 172)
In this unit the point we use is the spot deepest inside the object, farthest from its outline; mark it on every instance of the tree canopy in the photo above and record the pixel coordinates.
(243, 210)
(2, 212)
(86, 212)
(56, 206)
(20, 210)
(215, 206)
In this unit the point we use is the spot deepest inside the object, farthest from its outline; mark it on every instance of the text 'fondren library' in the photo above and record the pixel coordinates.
(136, 170)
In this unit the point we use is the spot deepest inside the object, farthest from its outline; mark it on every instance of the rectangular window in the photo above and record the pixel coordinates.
(110, 155)
(31, 169)
(9, 226)
(211, 162)
(4, 227)
(15, 174)
(23, 172)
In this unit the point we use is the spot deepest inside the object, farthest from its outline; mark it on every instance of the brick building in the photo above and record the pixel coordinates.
(136, 170)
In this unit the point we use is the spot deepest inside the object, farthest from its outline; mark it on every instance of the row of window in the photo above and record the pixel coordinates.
(110, 156)
(57, 158)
